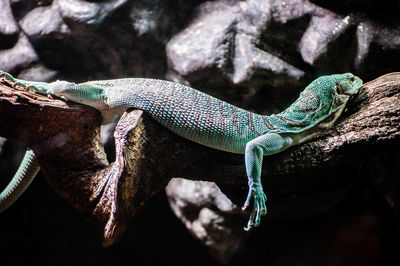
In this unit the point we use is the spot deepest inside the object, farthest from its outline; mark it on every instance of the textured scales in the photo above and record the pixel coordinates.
(26, 172)
(187, 112)
(206, 120)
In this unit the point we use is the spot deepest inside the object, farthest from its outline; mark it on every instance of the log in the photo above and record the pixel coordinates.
(300, 181)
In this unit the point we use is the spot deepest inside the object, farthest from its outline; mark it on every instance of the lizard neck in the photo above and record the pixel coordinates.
(308, 117)
(318, 128)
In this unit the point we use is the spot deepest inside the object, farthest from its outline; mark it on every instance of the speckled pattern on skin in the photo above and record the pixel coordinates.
(209, 121)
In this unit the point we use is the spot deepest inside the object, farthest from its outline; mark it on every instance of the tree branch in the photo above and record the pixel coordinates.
(301, 180)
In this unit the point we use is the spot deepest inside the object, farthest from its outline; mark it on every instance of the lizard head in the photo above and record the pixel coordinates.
(347, 84)
(340, 88)
(321, 101)
(334, 92)
(327, 93)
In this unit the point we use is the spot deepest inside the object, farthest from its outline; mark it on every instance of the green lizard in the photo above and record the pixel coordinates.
(211, 122)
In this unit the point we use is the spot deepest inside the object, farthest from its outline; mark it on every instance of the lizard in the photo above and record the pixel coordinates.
(209, 121)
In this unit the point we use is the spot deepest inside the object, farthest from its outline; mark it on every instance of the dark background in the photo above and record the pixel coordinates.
(294, 42)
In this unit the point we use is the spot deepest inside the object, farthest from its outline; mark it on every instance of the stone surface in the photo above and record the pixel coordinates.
(255, 54)
(87, 12)
(208, 214)
(19, 56)
(9, 26)
(44, 21)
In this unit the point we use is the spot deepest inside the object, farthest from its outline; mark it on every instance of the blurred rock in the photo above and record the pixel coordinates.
(8, 25)
(37, 72)
(208, 214)
(224, 35)
(44, 21)
(87, 12)
(255, 54)
(19, 56)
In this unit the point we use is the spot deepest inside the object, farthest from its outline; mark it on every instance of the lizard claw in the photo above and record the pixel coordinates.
(248, 198)
(256, 192)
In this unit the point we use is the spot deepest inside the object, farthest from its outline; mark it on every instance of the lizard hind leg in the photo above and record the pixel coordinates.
(6, 76)
(33, 86)
(267, 144)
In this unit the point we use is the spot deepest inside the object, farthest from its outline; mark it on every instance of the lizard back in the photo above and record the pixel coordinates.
(209, 121)
(187, 112)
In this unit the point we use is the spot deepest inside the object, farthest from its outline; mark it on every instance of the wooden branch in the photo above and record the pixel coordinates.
(299, 181)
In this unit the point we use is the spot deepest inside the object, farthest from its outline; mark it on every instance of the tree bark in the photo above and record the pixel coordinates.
(300, 181)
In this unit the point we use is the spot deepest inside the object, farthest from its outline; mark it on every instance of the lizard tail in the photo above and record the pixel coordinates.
(27, 170)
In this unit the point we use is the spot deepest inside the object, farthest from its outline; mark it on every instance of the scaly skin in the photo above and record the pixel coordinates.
(19, 183)
(214, 123)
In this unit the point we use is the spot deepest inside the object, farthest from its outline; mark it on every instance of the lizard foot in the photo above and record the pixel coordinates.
(6, 76)
(256, 192)
(30, 87)
(37, 89)
(18, 85)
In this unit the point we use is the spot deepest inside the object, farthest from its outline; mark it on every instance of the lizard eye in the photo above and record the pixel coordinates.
(339, 89)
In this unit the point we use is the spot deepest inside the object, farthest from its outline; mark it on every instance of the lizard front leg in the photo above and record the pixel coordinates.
(267, 144)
